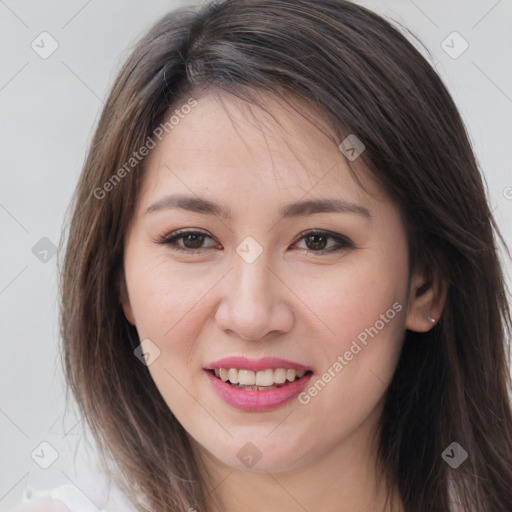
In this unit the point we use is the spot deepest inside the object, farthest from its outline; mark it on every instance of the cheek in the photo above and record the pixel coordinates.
(363, 311)
(355, 296)
(168, 306)
(170, 303)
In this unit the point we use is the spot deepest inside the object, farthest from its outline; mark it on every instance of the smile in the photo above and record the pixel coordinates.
(257, 385)
(264, 380)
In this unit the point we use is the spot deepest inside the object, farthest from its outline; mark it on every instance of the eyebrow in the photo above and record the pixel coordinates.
(298, 209)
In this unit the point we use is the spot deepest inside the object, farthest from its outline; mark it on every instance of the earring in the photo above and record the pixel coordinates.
(430, 319)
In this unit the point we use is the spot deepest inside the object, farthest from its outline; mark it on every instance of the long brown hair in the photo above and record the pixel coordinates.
(451, 384)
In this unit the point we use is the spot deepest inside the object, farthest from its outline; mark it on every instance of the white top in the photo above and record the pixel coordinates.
(78, 487)
(93, 494)
(68, 498)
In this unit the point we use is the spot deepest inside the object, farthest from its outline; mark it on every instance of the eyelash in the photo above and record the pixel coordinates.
(172, 238)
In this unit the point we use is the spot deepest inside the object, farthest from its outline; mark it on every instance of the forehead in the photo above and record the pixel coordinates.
(230, 146)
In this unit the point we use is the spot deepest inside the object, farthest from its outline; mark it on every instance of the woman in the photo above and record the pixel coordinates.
(281, 288)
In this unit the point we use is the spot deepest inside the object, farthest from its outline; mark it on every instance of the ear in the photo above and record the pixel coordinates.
(124, 299)
(427, 297)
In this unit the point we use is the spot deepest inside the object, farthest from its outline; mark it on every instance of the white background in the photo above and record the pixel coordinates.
(48, 110)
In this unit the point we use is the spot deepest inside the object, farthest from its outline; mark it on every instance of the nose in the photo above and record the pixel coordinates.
(254, 302)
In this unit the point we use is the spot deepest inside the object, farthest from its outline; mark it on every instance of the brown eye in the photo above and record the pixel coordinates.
(188, 241)
(323, 242)
(193, 240)
(316, 242)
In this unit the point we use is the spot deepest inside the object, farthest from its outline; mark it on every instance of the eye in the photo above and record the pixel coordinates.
(187, 241)
(318, 242)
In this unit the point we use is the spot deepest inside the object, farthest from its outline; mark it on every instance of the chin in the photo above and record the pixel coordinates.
(260, 456)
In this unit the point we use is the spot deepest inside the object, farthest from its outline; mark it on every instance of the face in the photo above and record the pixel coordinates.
(254, 256)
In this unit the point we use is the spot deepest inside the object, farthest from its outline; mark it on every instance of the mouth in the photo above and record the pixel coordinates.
(263, 380)
(257, 385)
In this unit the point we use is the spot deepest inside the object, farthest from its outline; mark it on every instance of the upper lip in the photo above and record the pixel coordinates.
(256, 365)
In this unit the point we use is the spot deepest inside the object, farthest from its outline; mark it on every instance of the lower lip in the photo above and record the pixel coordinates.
(254, 400)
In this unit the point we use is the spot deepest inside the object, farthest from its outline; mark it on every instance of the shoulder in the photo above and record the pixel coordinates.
(89, 491)
(41, 504)
(69, 498)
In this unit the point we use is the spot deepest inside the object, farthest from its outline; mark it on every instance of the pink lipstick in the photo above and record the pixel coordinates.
(257, 385)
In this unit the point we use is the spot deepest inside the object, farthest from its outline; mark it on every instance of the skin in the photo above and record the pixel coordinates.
(290, 302)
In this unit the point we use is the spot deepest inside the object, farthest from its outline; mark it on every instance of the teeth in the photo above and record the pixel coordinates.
(265, 378)
(280, 376)
(262, 380)
(233, 376)
(290, 375)
(246, 377)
